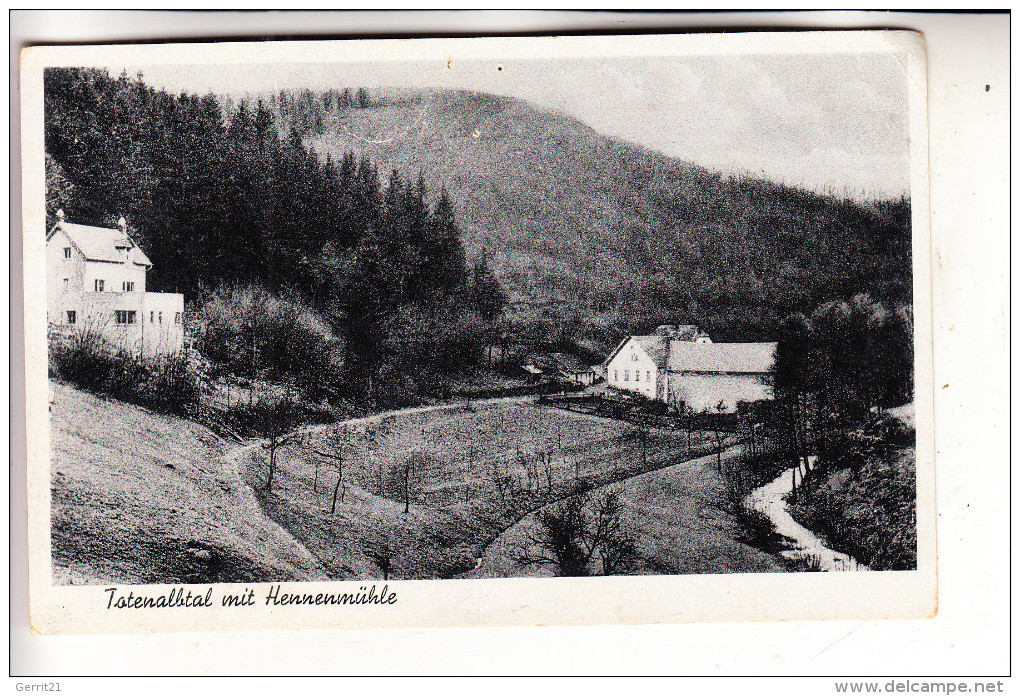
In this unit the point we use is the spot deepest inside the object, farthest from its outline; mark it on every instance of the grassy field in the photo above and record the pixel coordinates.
(679, 516)
(139, 497)
(473, 474)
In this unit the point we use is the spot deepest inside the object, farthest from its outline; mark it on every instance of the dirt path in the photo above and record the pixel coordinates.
(399, 412)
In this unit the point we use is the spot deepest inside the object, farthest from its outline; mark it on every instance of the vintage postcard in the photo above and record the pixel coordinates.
(464, 332)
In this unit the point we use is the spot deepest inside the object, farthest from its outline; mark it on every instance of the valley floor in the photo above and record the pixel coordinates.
(461, 524)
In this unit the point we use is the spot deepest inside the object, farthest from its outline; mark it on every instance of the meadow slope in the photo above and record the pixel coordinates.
(680, 519)
(479, 470)
(139, 497)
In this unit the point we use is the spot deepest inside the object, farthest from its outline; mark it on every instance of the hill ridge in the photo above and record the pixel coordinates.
(616, 235)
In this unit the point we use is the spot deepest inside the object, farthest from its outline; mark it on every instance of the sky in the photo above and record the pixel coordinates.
(822, 122)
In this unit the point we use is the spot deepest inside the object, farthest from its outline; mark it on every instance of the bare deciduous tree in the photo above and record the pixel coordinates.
(275, 423)
(582, 535)
(332, 449)
(409, 474)
(337, 438)
(720, 408)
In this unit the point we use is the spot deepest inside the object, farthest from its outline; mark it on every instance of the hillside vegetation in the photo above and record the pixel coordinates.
(614, 237)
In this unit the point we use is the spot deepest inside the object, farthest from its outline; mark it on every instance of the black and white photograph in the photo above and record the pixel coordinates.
(640, 313)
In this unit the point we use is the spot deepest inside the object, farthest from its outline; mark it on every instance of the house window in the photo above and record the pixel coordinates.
(626, 375)
(152, 317)
(124, 316)
(67, 284)
(616, 375)
(72, 317)
(177, 318)
(637, 375)
(160, 317)
(99, 285)
(67, 252)
(128, 286)
(633, 357)
(648, 375)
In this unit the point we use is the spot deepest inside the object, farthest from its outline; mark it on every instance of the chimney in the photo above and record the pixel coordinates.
(122, 224)
(60, 215)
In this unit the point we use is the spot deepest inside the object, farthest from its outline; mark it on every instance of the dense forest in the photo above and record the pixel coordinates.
(224, 202)
(595, 238)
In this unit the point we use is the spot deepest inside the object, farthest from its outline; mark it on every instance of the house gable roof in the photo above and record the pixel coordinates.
(655, 347)
(739, 358)
(101, 243)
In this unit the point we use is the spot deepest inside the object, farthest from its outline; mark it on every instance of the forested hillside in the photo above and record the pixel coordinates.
(605, 237)
(397, 215)
(221, 201)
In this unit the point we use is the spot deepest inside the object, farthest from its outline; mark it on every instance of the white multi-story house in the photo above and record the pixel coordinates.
(638, 364)
(95, 279)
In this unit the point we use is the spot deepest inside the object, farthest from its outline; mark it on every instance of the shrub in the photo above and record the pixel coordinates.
(868, 512)
(254, 420)
(88, 360)
(253, 332)
(580, 536)
(171, 383)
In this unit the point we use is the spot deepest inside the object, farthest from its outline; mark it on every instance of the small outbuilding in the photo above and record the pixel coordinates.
(573, 369)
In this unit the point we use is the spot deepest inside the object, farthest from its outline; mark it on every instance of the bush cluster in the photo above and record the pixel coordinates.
(251, 331)
(871, 512)
(270, 414)
(163, 383)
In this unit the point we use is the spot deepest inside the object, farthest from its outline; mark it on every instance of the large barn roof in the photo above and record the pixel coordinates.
(101, 243)
(739, 358)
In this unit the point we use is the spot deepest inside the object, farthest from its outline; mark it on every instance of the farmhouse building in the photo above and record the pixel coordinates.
(638, 364)
(681, 366)
(96, 282)
(703, 376)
